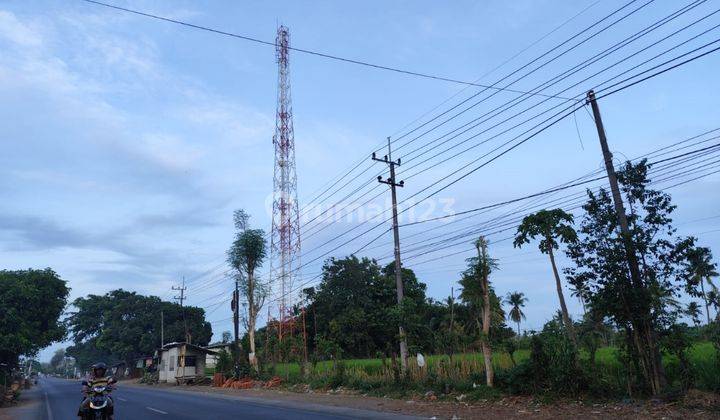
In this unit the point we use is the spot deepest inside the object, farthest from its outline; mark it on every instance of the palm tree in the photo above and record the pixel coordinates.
(714, 299)
(476, 288)
(553, 227)
(517, 301)
(702, 270)
(693, 311)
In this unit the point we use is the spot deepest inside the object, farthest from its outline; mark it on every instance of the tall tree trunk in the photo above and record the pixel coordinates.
(518, 324)
(707, 305)
(565, 315)
(252, 316)
(487, 351)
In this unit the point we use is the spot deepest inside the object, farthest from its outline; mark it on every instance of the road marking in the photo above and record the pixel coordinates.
(122, 399)
(156, 410)
(47, 406)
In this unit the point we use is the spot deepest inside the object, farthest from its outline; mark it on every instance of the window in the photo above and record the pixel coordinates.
(189, 361)
(172, 363)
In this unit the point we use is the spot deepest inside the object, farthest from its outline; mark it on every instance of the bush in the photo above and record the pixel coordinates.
(553, 367)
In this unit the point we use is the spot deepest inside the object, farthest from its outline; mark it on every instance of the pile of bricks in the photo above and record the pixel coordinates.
(245, 383)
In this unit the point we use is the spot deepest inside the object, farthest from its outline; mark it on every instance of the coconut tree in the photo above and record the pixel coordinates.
(552, 227)
(476, 287)
(246, 255)
(517, 301)
(694, 312)
(714, 300)
(702, 270)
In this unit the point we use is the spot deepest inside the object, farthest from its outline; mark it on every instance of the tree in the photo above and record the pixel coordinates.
(122, 325)
(31, 302)
(480, 268)
(553, 227)
(226, 337)
(246, 255)
(355, 308)
(694, 312)
(57, 359)
(517, 301)
(702, 270)
(714, 299)
(643, 309)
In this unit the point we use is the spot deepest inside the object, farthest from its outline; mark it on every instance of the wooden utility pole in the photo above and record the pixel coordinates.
(650, 356)
(396, 235)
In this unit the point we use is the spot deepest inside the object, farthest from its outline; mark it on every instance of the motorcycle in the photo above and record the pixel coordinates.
(99, 396)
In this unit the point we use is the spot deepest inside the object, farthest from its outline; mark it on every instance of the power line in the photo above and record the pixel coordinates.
(537, 41)
(512, 224)
(302, 50)
(560, 77)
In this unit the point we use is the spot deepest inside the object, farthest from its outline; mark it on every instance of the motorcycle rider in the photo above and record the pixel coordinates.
(97, 378)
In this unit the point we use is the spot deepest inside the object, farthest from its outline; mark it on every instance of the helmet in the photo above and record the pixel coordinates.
(99, 369)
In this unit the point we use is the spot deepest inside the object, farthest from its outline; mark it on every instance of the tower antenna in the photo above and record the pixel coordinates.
(285, 235)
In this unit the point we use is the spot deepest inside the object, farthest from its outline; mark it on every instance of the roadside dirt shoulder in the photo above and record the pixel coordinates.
(503, 408)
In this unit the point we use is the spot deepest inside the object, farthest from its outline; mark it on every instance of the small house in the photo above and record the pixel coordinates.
(182, 362)
(212, 358)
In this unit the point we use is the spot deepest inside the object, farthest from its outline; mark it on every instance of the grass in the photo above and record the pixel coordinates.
(374, 366)
(466, 371)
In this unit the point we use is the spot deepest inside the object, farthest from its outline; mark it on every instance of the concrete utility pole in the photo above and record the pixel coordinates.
(182, 298)
(652, 363)
(162, 329)
(236, 321)
(615, 189)
(396, 235)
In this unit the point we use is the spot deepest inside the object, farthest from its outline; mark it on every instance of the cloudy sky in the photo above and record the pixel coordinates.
(127, 142)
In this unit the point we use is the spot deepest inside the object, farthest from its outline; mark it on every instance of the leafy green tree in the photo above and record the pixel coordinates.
(702, 270)
(31, 302)
(641, 309)
(87, 353)
(355, 308)
(246, 255)
(57, 359)
(125, 325)
(517, 301)
(552, 227)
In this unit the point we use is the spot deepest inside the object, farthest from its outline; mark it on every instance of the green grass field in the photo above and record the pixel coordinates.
(702, 358)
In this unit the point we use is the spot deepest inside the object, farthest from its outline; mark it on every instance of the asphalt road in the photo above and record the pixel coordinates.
(58, 399)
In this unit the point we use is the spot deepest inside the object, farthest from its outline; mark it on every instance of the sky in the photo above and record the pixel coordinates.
(128, 142)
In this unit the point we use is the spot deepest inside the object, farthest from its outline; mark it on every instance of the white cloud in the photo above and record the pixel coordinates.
(19, 33)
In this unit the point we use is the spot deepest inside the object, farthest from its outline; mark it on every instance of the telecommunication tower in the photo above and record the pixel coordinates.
(285, 237)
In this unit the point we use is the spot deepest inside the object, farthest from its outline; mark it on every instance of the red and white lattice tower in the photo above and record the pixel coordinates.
(285, 238)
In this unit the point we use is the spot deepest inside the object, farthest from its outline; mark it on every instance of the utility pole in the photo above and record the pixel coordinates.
(396, 235)
(162, 329)
(452, 308)
(644, 330)
(615, 189)
(236, 322)
(182, 298)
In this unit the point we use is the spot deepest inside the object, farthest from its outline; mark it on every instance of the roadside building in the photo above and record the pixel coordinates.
(212, 358)
(182, 362)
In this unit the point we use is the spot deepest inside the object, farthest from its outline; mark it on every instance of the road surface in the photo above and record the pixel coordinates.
(58, 399)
